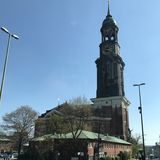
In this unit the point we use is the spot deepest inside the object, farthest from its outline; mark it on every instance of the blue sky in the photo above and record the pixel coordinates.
(54, 57)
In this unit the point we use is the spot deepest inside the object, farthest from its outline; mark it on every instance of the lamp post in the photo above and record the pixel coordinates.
(140, 111)
(10, 35)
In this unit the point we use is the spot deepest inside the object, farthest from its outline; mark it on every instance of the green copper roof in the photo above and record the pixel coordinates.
(83, 135)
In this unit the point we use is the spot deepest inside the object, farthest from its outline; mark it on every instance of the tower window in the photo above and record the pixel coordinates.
(106, 38)
(112, 38)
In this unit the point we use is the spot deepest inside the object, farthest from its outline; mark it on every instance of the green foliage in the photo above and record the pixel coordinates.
(108, 158)
(136, 145)
(116, 158)
(37, 156)
(123, 156)
(31, 156)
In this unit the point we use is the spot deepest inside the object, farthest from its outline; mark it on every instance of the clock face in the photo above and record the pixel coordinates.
(107, 49)
(108, 32)
(105, 32)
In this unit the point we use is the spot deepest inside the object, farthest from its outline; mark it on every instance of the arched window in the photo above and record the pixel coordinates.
(106, 38)
(112, 38)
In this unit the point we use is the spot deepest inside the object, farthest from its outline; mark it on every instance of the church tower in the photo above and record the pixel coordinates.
(110, 103)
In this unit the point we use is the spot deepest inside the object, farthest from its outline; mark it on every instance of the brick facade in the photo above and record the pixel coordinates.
(67, 147)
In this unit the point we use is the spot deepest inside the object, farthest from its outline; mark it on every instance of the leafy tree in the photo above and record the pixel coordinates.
(136, 144)
(21, 124)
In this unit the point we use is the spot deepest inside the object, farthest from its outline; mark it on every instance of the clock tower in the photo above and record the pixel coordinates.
(110, 103)
(110, 65)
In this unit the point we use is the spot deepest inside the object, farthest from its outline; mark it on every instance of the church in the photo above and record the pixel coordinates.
(107, 128)
(106, 131)
(110, 105)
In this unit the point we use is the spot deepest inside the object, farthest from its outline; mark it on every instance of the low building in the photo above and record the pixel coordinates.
(5, 144)
(86, 145)
(156, 150)
(153, 151)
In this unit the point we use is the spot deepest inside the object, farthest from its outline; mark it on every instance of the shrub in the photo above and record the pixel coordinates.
(123, 156)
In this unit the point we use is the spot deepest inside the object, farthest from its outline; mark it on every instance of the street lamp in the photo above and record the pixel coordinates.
(10, 35)
(140, 111)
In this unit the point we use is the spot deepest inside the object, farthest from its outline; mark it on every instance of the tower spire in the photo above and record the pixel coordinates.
(108, 8)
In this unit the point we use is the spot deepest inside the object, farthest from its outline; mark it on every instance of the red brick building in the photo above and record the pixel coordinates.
(85, 145)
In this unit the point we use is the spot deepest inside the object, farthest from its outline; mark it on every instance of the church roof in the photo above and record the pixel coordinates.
(53, 110)
(57, 110)
(109, 21)
(83, 135)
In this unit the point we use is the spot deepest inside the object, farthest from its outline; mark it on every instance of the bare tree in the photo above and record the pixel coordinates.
(72, 118)
(76, 114)
(79, 101)
(2, 134)
(21, 124)
(58, 124)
